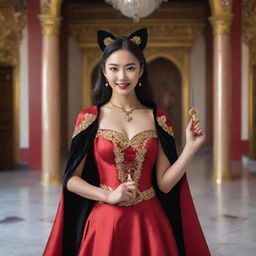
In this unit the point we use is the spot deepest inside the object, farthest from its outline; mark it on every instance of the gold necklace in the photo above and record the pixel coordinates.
(127, 116)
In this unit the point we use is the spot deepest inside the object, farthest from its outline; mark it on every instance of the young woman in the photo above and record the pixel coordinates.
(125, 190)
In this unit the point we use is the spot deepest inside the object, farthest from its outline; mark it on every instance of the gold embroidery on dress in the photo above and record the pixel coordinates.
(88, 120)
(121, 142)
(144, 195)
(163, 123)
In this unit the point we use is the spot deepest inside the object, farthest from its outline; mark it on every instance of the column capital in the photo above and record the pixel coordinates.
(50, 24)
(221, 23)
(221, 16)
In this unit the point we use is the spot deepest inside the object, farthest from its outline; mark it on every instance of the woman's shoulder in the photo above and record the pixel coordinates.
(164, 121)
(89, 110)
(85, 118)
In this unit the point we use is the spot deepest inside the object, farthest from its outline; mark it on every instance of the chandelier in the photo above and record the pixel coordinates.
(135, 9)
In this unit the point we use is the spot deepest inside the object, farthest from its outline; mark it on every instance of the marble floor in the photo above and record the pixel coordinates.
(227, 211)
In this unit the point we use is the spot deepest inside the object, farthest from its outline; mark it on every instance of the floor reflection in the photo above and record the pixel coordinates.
(226, 211)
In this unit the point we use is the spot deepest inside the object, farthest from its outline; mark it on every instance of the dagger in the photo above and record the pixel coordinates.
(193, 111)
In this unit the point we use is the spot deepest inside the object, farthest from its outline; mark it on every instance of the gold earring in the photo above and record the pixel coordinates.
(140, 84)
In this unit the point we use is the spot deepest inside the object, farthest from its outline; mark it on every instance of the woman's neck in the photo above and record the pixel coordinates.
(126, 102)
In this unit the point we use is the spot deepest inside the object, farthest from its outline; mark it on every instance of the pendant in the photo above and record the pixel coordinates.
(128, 118)
(129, 178)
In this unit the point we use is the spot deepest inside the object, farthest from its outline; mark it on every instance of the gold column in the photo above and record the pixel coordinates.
(51, 155)
(221, 21)
(252, 109)
(249, 36)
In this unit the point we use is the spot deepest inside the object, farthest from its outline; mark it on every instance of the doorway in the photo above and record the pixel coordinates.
(7, 161)
(165, 80)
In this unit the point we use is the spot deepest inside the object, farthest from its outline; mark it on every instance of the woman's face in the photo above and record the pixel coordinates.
(122, 70)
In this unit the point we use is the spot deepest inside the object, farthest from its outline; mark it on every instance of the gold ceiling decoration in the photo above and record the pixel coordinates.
(167, 26)
(12, 22)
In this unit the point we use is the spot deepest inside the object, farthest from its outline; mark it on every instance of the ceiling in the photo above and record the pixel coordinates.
(102, 1)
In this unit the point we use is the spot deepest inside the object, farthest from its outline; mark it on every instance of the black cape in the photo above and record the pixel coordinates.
(73, 210)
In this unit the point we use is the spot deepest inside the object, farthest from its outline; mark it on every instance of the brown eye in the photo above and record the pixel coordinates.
(131, 68)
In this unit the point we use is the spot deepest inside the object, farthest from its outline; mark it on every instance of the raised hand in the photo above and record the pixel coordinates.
(195, 136)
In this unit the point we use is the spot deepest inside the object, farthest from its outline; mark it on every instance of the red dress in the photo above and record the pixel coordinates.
(136, 228)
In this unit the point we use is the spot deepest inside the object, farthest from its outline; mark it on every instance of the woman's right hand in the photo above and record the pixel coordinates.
(127, 191)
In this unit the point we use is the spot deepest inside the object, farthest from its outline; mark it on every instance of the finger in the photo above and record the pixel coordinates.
(134, 195)
(190, 124)
(196, 130)
(131, 188)
(199, 132)
(138, 192)
(129, 194)
(197, 125)
(128, 183)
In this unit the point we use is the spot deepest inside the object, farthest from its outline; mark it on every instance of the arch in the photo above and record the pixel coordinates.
(165, 79)
(181, 61)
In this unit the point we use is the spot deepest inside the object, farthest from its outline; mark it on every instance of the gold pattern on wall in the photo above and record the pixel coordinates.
(249, 27)
(12, 22)
(249, 36)
(172, 31)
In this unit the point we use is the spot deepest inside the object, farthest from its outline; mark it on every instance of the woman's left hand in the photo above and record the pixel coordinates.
(195, 136)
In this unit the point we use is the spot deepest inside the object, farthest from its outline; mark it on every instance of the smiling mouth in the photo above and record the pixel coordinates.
(122, 85)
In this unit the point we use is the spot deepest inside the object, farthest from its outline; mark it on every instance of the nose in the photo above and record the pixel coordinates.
(122, 75)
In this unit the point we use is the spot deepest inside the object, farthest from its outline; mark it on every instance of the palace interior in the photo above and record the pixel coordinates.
(200, 53)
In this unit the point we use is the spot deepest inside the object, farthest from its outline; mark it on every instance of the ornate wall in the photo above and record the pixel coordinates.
(12, 22)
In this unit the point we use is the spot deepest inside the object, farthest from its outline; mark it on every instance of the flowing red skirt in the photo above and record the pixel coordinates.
(142, 229)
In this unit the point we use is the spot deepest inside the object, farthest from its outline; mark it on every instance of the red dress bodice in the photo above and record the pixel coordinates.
(117, 157)
(136, 228)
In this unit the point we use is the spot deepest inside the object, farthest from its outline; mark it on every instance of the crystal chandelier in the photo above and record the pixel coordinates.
(135, 9)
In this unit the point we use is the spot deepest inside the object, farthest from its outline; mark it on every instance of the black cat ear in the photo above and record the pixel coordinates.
(104, 39)
(140, 37)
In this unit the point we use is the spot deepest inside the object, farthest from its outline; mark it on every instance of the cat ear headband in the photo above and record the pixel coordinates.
(139, 37)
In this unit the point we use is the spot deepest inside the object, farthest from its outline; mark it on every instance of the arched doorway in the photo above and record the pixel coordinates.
(7, 141)
(165, 80)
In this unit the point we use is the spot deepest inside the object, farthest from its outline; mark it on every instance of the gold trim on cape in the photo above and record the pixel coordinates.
(162, 121)
(88, 120)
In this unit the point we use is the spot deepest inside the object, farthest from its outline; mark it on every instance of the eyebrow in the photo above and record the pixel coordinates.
(129, 64)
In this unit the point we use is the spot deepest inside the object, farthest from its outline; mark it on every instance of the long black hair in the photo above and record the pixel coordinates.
(102, 94)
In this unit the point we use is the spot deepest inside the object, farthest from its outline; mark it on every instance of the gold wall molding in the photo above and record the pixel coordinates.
(12, 22)
(172, 32)
(249, 27)
(249, 37)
